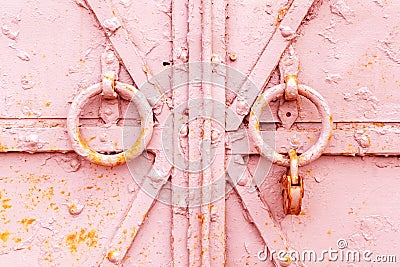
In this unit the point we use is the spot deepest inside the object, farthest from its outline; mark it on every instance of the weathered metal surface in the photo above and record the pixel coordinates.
(109, 111)
(356, 72)
(137, 212)
(285, 31)
(179, 177)
(258, 212)
(348, 139)
(173, 205)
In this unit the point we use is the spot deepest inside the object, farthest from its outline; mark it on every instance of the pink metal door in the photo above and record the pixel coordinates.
(157, 133)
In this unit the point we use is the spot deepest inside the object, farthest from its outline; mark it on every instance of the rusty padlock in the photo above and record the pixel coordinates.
(292, 187)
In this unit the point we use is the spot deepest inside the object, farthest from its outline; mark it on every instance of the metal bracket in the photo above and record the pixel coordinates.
(289, 68)
(109, 108)
(288, 112)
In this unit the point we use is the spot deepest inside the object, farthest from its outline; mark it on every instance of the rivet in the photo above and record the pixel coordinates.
(113, 256)
(241, 108)
(215, 59)
(75, 208)
(109, 58)
(287, 32)
(74, 163)
(108, 111)
(112, 24)
(294, 143)
(285, 261)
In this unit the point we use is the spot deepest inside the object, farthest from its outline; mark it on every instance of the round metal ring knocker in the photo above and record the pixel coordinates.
(126, 92)
(292, 183)
(316, 150)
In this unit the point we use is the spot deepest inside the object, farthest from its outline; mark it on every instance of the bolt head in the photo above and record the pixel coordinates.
(113, 256)
(233, 56)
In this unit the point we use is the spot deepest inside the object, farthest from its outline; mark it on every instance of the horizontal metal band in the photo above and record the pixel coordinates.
(348, 139)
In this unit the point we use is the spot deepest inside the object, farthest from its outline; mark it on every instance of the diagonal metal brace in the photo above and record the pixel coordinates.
(269, 59)
(259, 213)
(137, 212)
(121, 40)
(126, 50)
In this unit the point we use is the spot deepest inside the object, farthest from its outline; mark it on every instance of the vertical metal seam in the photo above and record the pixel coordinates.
(180, 221)
(206, 53)
(194, 49)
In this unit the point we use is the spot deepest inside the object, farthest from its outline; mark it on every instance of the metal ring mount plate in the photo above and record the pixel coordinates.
(316, 150)
(127, 92)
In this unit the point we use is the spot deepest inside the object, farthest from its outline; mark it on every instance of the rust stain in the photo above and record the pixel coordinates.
(90, 139)
(350, 149)
(75, 239)
(53, 206)
(133, 233)
(4, 236)
(3, 148)
(281, 14)
(367, 64)
(36, 179)
(4, 203)
(113, 255)
(48, 193)
(26, 222)
(310, 139)
(378, 124)
(48, 259)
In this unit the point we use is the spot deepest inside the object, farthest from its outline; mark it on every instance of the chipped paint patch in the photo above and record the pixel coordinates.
(5, 204)
(4, 236)
(26, 222)
(390, 46)
(74, 240)
(342, 9)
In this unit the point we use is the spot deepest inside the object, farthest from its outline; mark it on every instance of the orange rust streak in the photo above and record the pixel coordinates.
(281, 14)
